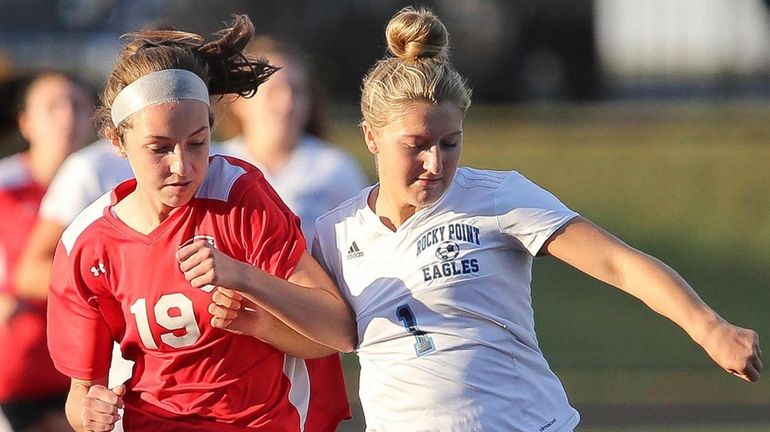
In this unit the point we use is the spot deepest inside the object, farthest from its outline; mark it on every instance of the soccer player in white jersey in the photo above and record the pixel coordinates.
(141, 265)
(281, 126)
(435, 261)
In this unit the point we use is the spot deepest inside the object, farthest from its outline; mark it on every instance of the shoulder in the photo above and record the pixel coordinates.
(345, 210)
(498, 181)
(224, 178)
(481, 178)
(92, 156)
(98, 159)
(231, 147)
(84, 220)
(95, 151)
(13, 171)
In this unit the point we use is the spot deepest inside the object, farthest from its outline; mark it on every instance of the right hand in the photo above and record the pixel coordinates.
(100, 407)
(735, 349)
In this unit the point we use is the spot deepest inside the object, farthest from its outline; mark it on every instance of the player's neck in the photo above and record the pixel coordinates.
(42, 167)
(391, 213)
(138, 214)
(270, 147)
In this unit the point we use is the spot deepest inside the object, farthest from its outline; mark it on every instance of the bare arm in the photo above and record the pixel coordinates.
(33, 271)
(308, 303)
(597, 253)
(93, 407)
(232, 312)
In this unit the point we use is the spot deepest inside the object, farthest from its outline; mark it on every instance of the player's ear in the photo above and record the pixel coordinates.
(23, 121)
(117, 142)
(369, 136)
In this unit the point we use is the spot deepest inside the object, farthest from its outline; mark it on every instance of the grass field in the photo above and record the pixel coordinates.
(687, 184)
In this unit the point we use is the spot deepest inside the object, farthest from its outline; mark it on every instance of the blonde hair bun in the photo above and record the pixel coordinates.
(414, 34)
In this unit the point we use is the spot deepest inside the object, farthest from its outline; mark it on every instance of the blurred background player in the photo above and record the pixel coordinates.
(54, 119)
(281, 128)
(83, 177)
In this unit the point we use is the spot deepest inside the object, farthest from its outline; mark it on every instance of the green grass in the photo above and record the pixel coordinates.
(687, 184)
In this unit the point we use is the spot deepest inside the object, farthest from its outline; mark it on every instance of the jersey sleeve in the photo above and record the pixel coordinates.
(274, 240)
(79, 339)
(317, 252)
(528, 214)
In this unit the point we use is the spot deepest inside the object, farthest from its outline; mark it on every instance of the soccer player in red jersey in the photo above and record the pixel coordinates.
(53, 118)
(142, 264)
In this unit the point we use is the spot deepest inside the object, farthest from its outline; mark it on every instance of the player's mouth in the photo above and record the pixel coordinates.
(178, 186)
(422, 181)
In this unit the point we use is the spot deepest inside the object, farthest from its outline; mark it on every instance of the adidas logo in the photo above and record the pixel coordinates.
(354, 251)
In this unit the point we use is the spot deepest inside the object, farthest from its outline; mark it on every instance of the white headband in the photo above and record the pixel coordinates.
(158, 87)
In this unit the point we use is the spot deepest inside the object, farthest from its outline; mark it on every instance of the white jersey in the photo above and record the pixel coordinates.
(83, 177)
(445, 322)
(316, 178)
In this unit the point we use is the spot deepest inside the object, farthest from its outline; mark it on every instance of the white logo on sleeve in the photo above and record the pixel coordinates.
(354, 251)
(98, 269)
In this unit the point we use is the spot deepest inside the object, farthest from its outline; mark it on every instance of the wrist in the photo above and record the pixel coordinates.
(707, 326)
(251, 281)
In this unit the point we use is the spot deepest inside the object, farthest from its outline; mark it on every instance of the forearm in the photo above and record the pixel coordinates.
(598, 253)
(284, 338)
(666, 292)
(313, 313)
(33, 271)
(32, 277)
(308, 302)
(601, 255)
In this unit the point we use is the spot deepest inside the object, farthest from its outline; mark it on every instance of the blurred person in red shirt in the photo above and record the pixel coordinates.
(54, 119)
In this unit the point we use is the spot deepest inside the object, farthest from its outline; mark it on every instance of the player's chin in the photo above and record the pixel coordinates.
(427, 196)
(178, 200)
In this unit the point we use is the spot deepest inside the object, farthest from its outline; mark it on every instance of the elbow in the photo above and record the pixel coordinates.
(348, 343)
(344, 341)
(350, 340)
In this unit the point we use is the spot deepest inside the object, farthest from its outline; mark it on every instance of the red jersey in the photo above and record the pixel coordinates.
(26, 370)
(112, 283)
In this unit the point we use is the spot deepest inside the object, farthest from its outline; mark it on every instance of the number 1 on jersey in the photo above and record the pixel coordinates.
(424, 344)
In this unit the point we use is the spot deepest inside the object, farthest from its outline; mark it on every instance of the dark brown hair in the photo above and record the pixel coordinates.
(219, 63)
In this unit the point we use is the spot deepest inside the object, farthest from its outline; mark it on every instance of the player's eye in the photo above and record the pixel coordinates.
(160, 149)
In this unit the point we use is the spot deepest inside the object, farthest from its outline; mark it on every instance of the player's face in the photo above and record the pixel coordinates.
(56, 116)
(282, 104)
(167, 146)
(417, 153)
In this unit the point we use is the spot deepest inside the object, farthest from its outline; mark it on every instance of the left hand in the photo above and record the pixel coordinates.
(232, 312)
(735, 349)
(203, 265)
